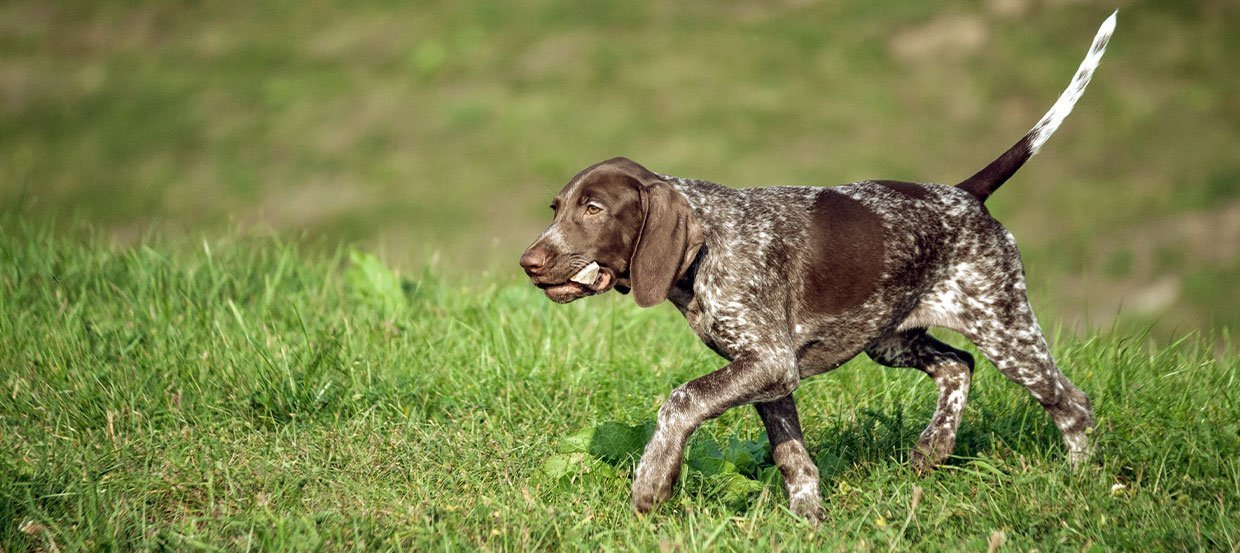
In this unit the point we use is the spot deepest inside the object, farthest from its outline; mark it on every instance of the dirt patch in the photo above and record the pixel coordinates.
(558, 54)
(948, 36)
(1211, 237)
(1008, 9)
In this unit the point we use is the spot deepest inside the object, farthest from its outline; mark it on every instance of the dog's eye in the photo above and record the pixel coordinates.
(593, 209)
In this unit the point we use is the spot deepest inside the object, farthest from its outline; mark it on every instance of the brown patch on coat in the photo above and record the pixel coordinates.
(845, 262)
(913, 191)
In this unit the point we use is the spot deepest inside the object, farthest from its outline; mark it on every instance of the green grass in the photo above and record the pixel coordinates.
(243, 394)
(268, 393)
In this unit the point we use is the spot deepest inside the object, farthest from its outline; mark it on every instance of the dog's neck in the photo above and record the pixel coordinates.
(682, 292)
(698, 194)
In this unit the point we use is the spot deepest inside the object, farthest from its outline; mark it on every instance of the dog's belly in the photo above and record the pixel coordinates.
(824, 342)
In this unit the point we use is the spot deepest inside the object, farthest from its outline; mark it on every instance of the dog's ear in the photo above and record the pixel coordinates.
(666, 244)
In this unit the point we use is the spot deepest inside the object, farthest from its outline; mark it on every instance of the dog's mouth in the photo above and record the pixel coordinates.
(587, 281)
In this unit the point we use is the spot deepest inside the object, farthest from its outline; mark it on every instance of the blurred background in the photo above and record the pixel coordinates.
(437, 132)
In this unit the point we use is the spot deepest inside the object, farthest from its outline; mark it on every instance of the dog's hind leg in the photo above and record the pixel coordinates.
(1013, 341)
(783, 429)
(1002, 325)
(952, 372)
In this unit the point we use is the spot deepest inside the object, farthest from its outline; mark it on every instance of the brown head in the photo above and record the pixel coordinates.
(622, 216)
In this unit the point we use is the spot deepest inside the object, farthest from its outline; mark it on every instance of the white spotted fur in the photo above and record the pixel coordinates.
(945, 262)
(1053, 118)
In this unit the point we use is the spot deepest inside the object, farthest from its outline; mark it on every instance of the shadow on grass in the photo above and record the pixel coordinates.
(735, 471)
(875, 437)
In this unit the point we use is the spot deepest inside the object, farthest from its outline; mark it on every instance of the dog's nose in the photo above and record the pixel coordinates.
(533, 260)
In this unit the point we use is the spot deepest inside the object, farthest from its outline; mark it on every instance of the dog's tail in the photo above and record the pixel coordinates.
(986, 181)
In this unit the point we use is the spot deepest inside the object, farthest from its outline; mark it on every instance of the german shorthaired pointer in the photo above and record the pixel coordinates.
(790, 282)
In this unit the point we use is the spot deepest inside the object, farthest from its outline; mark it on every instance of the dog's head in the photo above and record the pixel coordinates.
(634, 225)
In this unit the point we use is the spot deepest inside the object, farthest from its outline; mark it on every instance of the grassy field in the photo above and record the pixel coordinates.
(258, 283)
(241, 394)
(444, 127)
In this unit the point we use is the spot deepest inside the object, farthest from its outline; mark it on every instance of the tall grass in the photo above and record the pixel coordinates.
(240, 394)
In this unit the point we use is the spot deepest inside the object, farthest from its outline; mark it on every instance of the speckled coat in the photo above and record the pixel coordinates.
(790, 282)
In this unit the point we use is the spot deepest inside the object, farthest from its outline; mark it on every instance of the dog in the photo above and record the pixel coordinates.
(790, 282)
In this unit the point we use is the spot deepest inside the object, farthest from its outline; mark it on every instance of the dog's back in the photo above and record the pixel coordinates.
(788, 282)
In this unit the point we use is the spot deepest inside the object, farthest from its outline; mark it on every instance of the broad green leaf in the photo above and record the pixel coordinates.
(733, 489)
(743, 455)
(578, 441)
(616, 442)
(558, 466)
(704, 456)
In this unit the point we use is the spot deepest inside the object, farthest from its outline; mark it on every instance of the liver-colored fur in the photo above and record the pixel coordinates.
(790, 282)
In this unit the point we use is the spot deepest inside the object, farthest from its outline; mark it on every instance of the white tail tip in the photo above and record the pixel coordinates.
(1053, 118)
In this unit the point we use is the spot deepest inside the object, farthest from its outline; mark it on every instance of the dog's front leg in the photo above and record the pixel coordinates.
(751, 378)
(783, 428)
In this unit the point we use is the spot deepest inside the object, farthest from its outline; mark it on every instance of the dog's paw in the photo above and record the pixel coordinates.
(808, 507)
(651, 487)
(656, 473)
(646, 495)
(930, 452)
(1079, 459)
(923, 464)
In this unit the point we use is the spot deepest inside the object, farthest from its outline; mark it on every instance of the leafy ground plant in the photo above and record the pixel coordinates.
(734, 473)
(240, 394)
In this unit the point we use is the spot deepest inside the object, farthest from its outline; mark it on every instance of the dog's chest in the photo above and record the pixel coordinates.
(697, 318)
(728, 311)
(722, 332)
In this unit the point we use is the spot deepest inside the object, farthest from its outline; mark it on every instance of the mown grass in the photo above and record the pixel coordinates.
(240, 394)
